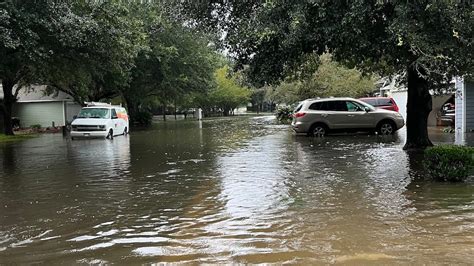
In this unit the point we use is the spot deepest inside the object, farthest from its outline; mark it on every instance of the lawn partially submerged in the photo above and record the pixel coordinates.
(5, 138)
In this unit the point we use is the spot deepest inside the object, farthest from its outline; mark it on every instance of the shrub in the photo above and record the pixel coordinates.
(449, 162)
(36, 126)
(142, 118)
(284, 114)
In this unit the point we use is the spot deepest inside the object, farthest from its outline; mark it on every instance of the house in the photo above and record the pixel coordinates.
(464, 104)
(35, 107)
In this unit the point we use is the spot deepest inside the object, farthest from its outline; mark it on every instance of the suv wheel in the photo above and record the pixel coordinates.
(318, 130)
(386, 128)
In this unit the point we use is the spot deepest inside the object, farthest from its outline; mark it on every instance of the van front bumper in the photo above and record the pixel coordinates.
(89, 134)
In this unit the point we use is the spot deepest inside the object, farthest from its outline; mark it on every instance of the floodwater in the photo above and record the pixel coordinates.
(236, 190)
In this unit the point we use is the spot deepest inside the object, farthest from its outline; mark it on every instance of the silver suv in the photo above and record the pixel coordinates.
(317, 117)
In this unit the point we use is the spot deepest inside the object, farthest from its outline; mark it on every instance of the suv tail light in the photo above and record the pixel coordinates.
(395, 106)
(299, 114)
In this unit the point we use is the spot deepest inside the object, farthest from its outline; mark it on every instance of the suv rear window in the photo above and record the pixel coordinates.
(372, 102)
(298, 107)
(384, 101)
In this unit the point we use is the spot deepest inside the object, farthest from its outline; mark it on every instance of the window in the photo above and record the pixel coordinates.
(114, 114)
(384, 101)
(102, 113)
(354, 107)
(334, 106)
(372, 102)
(298, 107)
(316, 106)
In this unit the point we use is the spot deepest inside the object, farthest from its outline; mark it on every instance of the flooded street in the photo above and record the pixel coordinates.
(241, 189)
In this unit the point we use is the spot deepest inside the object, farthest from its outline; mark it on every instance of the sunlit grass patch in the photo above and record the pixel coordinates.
(4, 138)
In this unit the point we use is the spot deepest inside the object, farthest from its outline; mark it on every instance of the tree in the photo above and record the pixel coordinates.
(103, 45)
(333, 79)
(85, 49)
(22, 48)
(178, 62)
(429, 40)
(228, 94)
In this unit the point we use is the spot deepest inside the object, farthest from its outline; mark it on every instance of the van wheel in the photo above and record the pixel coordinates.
(110, 135)
(125, 131)
(386, 128)
(318, 130)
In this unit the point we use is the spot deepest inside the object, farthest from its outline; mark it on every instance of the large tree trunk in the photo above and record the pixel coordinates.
(132, 108)
(419, 105)
(7, 106)
(164, 111)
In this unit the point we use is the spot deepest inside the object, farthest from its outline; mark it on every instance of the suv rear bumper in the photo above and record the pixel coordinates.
(299, 127)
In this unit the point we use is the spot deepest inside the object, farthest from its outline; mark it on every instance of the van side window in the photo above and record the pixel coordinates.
(114, 114)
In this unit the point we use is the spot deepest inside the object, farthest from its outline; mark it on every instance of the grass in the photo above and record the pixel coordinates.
(5, 138)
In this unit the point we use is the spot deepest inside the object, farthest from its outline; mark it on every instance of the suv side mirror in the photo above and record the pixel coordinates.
(114, 117)
(74, 117)
(367, 109)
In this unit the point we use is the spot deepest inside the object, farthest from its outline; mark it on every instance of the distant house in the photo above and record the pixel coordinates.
(464, 103)
(35, 107)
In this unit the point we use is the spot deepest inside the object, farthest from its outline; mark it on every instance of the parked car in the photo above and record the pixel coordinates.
(318, 117)
(386, 103)
(100, 120)
(446, 115)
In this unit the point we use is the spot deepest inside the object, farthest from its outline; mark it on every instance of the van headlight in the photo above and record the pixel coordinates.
(102, 127)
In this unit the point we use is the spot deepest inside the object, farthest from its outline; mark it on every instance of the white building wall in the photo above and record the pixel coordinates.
(39, 113)
(400, 98)
(459, 106)
(469, 105)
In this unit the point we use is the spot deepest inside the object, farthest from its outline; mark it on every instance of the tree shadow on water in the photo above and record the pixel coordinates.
(416, 170)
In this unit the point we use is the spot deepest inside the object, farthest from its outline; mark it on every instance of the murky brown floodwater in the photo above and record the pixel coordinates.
(227, 190)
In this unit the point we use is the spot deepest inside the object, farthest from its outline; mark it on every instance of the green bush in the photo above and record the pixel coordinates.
(449, 162)
(284, 114)
(36, 126)
(142, 118)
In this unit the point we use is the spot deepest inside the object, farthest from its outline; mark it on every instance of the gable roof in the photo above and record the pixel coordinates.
(37, 94)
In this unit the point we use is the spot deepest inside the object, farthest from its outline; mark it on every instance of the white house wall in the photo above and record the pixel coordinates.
(72, 109)
(459, 106)
(40, 113)
(469, 105)
(400, 98)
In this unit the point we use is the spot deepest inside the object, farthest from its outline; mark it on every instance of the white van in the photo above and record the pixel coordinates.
(100, 120)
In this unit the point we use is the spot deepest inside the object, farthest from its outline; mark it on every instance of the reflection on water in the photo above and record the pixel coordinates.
(228, 190)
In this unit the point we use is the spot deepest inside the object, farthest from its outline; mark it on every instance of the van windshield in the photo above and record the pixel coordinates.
(94, 113)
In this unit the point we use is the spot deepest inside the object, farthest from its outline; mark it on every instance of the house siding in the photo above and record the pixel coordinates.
(459, 105)
(469, 103)
(72, 109)
(40, 113)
